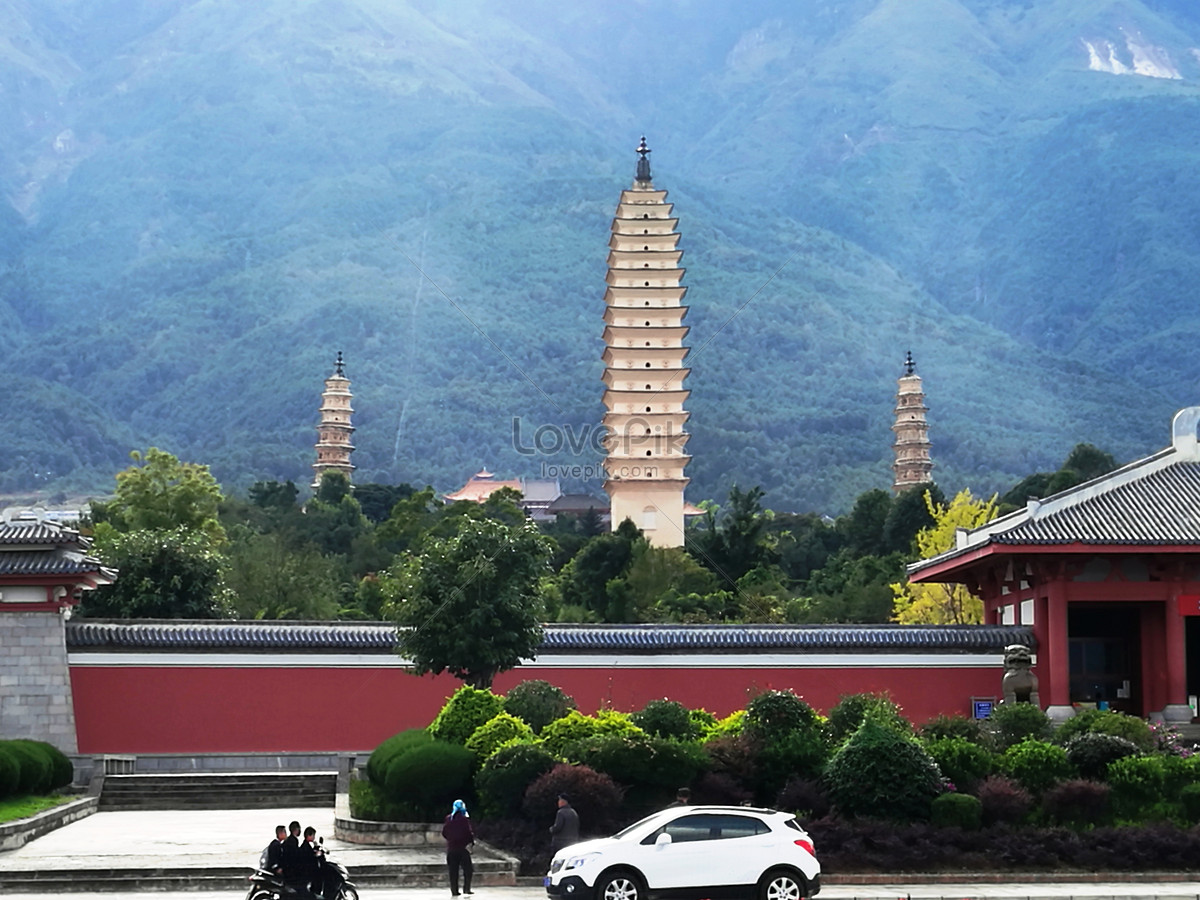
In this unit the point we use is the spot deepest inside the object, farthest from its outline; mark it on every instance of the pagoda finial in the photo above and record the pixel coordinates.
(909, 365)
(643, 166)
(339, 366)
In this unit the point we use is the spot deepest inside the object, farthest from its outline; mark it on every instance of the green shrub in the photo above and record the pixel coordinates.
(1189, 799)
(430, 777)
(1107, 721)
(367, 801)
(498, 730)
(703, 722)
(10, 773)
(802, 754)
(956, 811)
(1011, 723)
(575, 726)
(852, 709)
(62, 770)
(666, 719)
(730, 726)
(594, 795)
(1004, 801)
(881, 773)
(1078, 803)
(650, 769)
(1092, 751)
(503, 778)
(962, 727)
(1036, 765)
(34, 767)
(1138, 783)
(537, 703)
(463, 713)
(965, 764)
(1178, 773)
(394, 746)
(775, 714)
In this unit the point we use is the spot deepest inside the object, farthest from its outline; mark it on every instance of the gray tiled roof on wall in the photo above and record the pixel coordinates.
(22, 532)
(45, 563)
(375, 637)
(1161, 508)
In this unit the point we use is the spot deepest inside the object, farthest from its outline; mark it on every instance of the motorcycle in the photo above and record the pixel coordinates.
(266, 885)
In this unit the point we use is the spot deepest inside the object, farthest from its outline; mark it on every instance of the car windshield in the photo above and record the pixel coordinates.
(636, 825)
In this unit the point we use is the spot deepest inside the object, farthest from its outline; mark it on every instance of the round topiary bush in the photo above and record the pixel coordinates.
(1138, 784)
(801, 754)
(650, 769)
(1011, 723)
(496, 731)
(666, 719)
(10, 773)
(1036, 765)
(575, 726)
(594, 795)
(963, 763)
(62, 770)
(537, 703)
(881, 773)
(429, 777)
(465, 711)
(502, 780)
(775, 714)
(1092, 751)
(944, 726)
(34, 767)
(1107, 721)
(1004, 802)
(1078, 802)
(852, 709)
(956, 811)
(382, 756)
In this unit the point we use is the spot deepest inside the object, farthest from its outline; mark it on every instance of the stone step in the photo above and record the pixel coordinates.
(232, 878)
(243, 790)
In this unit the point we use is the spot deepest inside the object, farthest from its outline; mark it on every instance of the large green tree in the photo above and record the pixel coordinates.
(470, 604)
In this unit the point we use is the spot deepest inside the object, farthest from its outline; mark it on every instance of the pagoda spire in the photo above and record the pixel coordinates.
(334, 431)
(643, 166)
(913, 464)
(644, 370)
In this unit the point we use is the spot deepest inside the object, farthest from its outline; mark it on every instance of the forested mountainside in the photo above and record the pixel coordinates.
(205, 200)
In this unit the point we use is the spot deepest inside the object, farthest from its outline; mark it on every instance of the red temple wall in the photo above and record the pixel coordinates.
(191, 709)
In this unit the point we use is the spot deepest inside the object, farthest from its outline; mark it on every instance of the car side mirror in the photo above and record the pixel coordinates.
(663, 840)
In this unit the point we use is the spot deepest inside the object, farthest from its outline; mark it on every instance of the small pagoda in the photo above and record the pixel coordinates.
(335, 431)
(644, 363)
(913, 464)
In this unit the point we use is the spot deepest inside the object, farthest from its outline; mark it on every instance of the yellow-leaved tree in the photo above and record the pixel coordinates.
(943, 604)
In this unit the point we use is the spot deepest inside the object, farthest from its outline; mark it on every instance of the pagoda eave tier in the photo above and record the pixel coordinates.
(641, 225)
(639, 277)
(619, 422)
(638, 209)
(611, 483)
(638, 191)
(616, 357)
(639, 258)
(661, 381)
(639, 334)
(634, 301)
(620, 241)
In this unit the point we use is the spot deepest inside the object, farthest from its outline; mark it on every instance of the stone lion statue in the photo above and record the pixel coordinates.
(1020, 685)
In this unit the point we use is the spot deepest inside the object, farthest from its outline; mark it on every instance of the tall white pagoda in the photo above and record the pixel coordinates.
(913, 463)
(643, 358)
(334, 430)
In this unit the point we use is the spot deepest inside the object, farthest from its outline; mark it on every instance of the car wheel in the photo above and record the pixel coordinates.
(620, 885)
(781, 884)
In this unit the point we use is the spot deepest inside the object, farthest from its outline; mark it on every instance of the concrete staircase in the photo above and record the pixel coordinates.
(241, 790)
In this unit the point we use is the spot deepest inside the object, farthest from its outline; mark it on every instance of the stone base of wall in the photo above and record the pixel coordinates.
(22, 831)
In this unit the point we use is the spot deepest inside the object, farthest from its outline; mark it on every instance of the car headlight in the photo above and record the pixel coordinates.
(578, 862)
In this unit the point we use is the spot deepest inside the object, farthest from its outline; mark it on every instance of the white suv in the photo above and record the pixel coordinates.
(692, 851)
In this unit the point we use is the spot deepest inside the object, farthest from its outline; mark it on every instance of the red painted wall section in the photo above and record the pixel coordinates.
(186, 709)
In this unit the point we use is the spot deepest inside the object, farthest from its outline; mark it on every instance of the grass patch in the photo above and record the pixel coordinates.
(13, 808)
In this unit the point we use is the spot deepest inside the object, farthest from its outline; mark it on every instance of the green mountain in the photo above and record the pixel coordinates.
(207, 199)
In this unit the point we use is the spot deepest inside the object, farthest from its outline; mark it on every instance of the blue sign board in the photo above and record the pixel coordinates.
(981, 707)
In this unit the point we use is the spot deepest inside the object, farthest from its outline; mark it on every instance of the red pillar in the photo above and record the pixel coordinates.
(1153, 689)
(1176, 708)
(1055, 653)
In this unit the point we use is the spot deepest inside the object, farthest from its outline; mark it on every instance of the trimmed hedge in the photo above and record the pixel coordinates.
(594, 795)
(666, 719)
(10, 773)
(504, 777)
(882, 774)
(853, 709)
(1036, 765)
(34, 765)
(956, 811)
(390, 749)
(537, 703)
(1011, 723)
(465, 711)
(429, 777)
(496, 731)
(1091, 752)
(575, 726)
(965, 764)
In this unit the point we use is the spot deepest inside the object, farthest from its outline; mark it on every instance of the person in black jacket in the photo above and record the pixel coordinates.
(291, 857)
(565, 830)
(459, 835)
(274, 861)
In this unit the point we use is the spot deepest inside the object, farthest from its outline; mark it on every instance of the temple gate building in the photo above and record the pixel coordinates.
(644, 369)
(913, 464)
(1108, 575)
(334, 431)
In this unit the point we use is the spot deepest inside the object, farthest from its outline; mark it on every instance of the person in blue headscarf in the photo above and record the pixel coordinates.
(460, 837)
